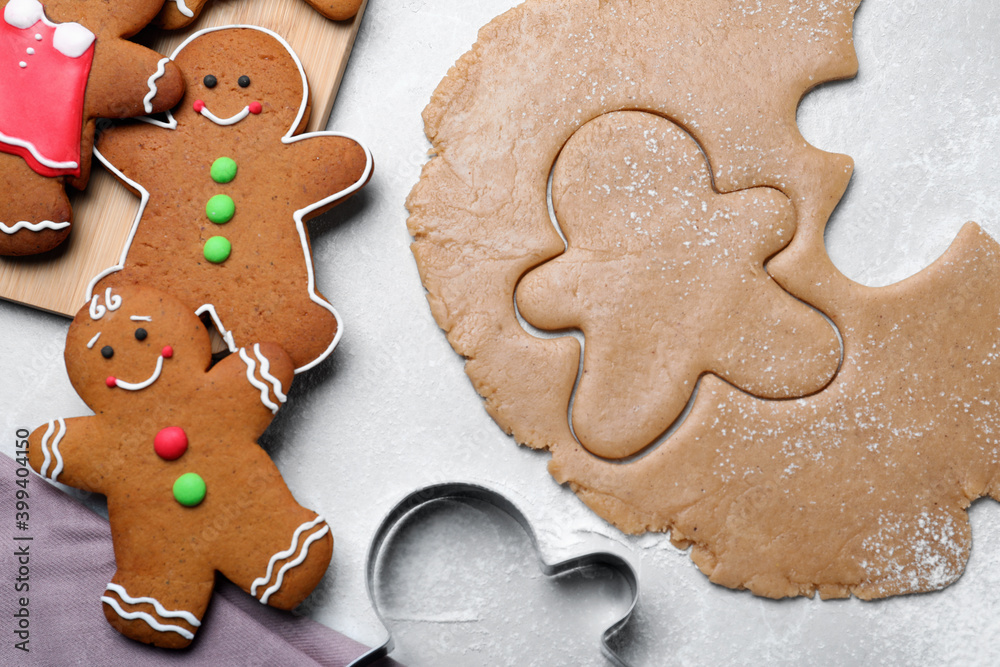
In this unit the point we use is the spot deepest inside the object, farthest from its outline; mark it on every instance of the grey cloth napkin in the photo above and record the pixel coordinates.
(68, 563)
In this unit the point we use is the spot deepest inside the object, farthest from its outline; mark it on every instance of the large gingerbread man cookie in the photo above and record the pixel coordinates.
(229, 186)
(61, 67)
(173, 447)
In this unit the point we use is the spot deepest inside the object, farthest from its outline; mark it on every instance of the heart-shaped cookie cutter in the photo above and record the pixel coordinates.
(463, 491)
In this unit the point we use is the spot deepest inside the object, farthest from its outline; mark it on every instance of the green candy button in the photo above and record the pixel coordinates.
(189, 489)
(223, 170)
(220, 209)
(217, 249)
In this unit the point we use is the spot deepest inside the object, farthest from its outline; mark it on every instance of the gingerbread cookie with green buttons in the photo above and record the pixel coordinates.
(227, 185)
(173, 446)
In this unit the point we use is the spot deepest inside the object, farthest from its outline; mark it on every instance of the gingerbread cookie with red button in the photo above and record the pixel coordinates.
(173, 446)
(227, 185)
(61, 67)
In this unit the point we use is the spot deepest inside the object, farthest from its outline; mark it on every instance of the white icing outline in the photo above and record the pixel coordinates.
(261, 581)
(294, 563)
(298, 216)
(97, 311)
(32, 226)
(93, 340)
(153, 623)
(160, 609)
(183, 9)
(55, 449)
(161, 69)
(232, 120)
(141, 318)
(265, 366)
(265, 396)
(145, 383)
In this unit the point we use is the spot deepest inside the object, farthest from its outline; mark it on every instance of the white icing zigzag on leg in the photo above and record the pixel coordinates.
(153, 623)
(281, 555)
(160, 609)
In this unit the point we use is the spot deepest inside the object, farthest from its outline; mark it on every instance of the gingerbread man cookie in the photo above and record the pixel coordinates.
(182, 13)
(227, 186)
(173, 447)
(61, 67)
(665, 277)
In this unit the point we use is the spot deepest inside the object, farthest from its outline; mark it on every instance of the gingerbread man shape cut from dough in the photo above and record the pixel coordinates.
(229, 186)
(62, 67)
(173, 447)
(665, 277)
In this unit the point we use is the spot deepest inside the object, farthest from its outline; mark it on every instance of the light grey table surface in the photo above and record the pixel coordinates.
(392, 409)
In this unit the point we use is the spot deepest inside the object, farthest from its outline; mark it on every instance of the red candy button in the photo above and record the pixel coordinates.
(167, 352)
(255, 107)
(111, 382)
(170, 443)
(198, 106)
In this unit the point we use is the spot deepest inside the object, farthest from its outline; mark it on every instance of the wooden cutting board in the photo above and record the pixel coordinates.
(57, 281)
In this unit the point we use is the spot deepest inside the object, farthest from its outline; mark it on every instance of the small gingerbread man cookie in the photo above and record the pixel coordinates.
(173, 447)
(61, 67)
(227, 186)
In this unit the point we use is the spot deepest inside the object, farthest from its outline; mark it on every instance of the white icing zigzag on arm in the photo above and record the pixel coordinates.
(153, 623)
(32, 226)
(265, 390)
(160, 609)
(281, 555)
(54, 449)
(265, 365)
(161, 69)
(45, 448)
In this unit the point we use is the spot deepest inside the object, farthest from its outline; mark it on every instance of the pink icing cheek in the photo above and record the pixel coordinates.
(198, 106)
(255, 107)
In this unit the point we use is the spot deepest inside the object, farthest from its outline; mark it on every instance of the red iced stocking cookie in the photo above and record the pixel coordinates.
(173, 447)
(229, 186)
(61, 67)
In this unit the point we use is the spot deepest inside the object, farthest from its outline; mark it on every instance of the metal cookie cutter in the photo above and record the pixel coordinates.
(468, 491)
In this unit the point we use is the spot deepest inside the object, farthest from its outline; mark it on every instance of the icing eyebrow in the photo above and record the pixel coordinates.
(93, 340)
(141, 318)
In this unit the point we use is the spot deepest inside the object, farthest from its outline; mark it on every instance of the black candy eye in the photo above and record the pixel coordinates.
(210, 81)
(140, 334)
(107, 351)
(244, 81)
